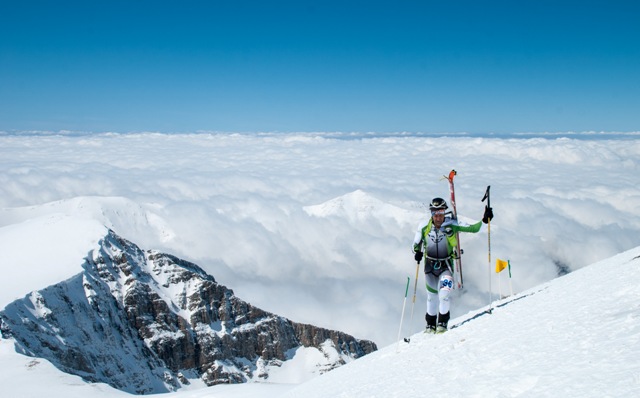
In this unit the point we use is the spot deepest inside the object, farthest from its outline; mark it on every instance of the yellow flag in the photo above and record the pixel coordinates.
(500, 265)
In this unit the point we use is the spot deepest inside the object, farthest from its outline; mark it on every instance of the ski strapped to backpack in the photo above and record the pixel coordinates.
(458, 251)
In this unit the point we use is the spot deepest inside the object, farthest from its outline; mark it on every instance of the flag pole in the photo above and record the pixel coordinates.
(499, 287)
(500, 266)
(510, 285)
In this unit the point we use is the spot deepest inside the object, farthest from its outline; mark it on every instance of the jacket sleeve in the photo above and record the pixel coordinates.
(473, 228)
(419, 237)
(417, 241)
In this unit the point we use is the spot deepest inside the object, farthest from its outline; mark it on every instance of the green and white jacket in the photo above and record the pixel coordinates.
(439, 243)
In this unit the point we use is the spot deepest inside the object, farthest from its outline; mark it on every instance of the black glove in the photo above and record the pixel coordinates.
(418, 256)
(488, 215)
(448, 231)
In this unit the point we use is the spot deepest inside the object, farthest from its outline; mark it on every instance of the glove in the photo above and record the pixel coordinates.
(448, 231)
(418, 256)
(488, 215)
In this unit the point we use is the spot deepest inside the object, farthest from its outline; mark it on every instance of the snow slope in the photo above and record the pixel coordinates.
(43, 251)
(26, 377)
(578, 335)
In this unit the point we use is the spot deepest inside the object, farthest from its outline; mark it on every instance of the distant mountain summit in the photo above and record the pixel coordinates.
(147, 322)
(358, 206)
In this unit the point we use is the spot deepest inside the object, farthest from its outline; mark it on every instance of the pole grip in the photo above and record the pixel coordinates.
(487, 196)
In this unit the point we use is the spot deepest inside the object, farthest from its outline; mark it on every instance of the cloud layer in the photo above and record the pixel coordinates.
(318, 227)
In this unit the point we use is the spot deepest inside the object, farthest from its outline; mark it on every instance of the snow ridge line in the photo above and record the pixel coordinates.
(486, 311)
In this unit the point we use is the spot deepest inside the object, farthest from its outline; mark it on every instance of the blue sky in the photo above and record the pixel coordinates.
(418, 66)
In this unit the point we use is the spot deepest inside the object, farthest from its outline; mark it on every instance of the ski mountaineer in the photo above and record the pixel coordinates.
(435, 241)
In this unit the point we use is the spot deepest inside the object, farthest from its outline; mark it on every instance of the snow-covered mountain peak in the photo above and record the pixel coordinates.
(358, 206)
(148, 322)
(44, 250)
(118, 213)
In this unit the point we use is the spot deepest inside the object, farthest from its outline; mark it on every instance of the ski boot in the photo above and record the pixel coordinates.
(443, 321)
(431, 323)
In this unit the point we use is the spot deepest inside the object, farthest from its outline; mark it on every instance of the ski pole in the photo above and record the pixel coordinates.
(413, 303)
(404, 304)
(488, 198)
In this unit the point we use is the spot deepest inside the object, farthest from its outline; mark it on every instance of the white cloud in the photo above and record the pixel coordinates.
(318, 228)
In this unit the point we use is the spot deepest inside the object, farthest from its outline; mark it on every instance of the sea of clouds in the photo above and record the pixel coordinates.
(318, 226)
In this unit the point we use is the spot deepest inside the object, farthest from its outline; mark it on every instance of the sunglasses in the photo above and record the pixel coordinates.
(437, 212)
